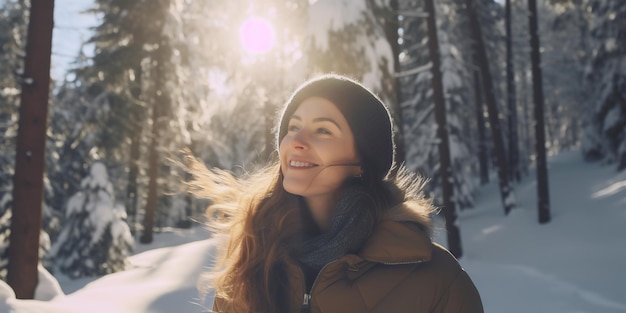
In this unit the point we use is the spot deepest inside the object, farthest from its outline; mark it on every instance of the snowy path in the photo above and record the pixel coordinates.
(576, 263)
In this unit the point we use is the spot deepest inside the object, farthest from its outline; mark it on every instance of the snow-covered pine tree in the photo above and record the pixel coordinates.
(419, 122)
(419, 127)
(348, 38)
(77, 120)
(13, 21)
(564, 35)
(12, 33)
(115, 76)
(458, 84)
(95, 239)
(605, 134)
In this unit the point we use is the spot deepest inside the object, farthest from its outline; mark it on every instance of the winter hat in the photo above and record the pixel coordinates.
(368, 117)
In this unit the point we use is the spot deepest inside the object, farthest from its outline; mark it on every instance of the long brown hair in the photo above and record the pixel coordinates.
(255, 220)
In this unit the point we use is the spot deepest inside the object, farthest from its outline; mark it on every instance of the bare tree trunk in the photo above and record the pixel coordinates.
(483, 154)
(541, 163)
(449, 210)
(30, 153)
(508, 199)
(511, 99)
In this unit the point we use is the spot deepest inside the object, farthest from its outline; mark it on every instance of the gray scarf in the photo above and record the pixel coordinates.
(351, 225)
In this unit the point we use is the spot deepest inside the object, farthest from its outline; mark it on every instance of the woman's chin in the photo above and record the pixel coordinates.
(295, 187)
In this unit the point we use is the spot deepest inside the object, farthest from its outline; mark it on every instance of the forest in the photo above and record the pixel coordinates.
(479, 90)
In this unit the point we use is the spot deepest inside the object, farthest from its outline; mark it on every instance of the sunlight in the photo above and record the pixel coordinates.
(257, 35)
(610, 190)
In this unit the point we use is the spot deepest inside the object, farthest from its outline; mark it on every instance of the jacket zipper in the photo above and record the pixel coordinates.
(306, 304)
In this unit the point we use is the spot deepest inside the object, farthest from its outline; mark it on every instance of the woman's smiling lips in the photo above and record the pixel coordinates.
(297, 164)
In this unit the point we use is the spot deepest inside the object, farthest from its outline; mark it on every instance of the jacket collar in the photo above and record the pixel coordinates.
(400, 237)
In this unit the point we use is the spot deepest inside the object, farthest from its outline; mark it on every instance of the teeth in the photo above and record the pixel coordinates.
(300, 164)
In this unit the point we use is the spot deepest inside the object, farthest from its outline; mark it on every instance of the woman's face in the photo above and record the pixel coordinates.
(318, 152)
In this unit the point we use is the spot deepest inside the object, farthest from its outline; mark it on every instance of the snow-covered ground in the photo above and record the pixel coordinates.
(574, 264)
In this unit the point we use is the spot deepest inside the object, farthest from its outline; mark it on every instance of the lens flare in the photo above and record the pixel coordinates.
(257, 36)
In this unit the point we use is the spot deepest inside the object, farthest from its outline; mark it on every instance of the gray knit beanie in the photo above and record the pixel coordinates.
(368, 117)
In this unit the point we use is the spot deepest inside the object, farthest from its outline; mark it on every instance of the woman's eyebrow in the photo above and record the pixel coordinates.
(327, 119)
(318, 119)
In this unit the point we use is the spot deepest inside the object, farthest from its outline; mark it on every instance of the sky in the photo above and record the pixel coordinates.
(71, 28)
(574, 264)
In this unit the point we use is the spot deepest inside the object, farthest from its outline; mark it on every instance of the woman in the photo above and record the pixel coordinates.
(328, 228)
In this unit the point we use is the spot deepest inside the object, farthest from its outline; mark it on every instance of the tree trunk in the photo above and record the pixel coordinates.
(483, 153)
(449, 210)
(508, 199)
(30, 153)
(391, 31)
(135, 153)
(133, 174)
(541, 163)
(153, 174)
(161, 101)
(511, 99)
(526, 125)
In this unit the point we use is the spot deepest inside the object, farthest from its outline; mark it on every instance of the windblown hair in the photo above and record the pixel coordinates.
(256, 221)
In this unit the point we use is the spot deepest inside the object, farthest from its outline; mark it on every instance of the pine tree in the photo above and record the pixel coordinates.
(511, 96)
(459, 88)
(13, 21)
(95, 239)
(445, 168)
(350, 39)
(506, 191)
(113, 76)
(563, 28)
(605, 134)
(423, 156)
(77, 122)
(415, 83)
(542, 166)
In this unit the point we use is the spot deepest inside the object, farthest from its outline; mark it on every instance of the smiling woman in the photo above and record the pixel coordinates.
(328, 223)
(257, 35)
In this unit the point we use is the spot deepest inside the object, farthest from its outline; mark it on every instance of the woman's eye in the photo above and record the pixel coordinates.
(293, 128)
(323, 131)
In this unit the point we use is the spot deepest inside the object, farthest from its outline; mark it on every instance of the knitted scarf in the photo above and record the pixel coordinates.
(351, 225)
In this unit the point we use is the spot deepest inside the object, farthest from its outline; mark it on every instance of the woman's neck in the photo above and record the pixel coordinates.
(322, 209)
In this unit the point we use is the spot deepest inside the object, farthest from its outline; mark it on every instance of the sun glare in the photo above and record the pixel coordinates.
(257, 35)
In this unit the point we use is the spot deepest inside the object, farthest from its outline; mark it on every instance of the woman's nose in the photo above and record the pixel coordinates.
(300, 140)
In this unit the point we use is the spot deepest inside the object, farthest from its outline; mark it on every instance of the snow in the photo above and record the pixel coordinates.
(574, 264)
(612, 119)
